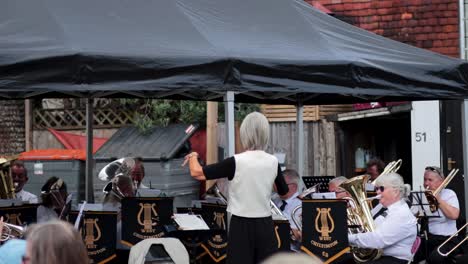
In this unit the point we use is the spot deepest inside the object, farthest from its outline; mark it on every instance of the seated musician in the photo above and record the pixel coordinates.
(441, 228)
(137, 174)
(395, 230)
(53, 195)
(286, 203)
(334, 186)
(19, 174)
(375, 167)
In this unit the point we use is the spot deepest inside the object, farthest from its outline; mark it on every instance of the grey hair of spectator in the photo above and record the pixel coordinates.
(292, 174)
(295, 258)
(255, 131)
(338, 180)
(395, 181)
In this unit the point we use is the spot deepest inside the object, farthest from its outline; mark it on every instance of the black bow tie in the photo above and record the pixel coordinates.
(381, 212)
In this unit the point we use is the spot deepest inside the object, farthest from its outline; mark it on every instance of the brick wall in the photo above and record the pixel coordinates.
(12, 132)
(428, 24)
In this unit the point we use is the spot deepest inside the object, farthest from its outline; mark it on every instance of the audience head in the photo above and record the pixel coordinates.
(19, 175)
(334, 186)
(392, 188)
(55, 242)
(375, 167)
(292, 180)
(255, 132)
(54, 193)
(433, 177)
(289, 257)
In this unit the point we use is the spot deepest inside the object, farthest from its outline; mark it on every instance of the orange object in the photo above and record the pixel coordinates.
(54, 154)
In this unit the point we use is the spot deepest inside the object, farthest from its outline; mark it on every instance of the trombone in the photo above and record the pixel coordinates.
(393, 166)
(450, 238)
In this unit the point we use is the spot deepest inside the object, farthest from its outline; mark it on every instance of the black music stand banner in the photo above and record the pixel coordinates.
(215, 216)
(145, 217)
(283, 234)
(98, 230)
(20, 215)
(325, 229)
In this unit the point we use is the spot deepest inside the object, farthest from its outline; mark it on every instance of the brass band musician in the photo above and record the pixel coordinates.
(288, 202)
(441, 228)
(19, 174)
(334, 186)
(395, 230)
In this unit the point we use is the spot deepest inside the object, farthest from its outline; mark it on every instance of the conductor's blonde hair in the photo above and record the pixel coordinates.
(296, 258)
(255, 132)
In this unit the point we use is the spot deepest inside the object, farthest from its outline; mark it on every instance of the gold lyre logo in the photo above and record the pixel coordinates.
(90, 224)
(324, 223)
(13, 219)
(148, 210)
(219, 220)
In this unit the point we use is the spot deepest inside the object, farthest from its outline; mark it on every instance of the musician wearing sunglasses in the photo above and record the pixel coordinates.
(441, 228)
(395, 225)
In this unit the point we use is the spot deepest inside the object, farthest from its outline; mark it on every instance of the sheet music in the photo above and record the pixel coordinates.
(324, 195)
(190, 222)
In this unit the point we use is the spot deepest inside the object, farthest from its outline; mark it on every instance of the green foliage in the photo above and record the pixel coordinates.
(152, 112)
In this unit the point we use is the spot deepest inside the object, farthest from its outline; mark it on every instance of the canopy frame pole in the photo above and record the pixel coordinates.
(464, 120)
(300, 138)
(89, 191)
(229, 124)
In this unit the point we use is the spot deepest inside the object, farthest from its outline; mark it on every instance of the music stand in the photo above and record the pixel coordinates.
(420, 207)
(310, 181)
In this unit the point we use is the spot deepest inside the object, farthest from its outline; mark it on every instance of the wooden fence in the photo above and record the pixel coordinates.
(66, 119)
(287, 113)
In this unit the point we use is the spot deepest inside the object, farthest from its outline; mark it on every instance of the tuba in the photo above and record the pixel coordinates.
(118, 175)
(7, 187)
(431, 195)
(11, 232)
(360, 215)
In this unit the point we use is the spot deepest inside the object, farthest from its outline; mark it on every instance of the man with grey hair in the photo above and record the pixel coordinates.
(289, 201)
(334, 186)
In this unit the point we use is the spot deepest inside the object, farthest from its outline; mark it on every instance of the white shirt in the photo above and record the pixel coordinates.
(291, 203)
(442, 225)
(26, 196)
(250, 189)
(395, 233)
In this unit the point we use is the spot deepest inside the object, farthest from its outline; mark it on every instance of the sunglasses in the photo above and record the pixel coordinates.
(380, 188)
(434, 169)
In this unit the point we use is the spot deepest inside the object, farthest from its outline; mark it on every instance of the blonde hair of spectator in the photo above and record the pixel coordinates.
(55, 242)
(292, 258)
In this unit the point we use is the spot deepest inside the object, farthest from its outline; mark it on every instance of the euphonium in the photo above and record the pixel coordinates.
(7, 188)
(11, 231)
(361, 215)
(431, 195)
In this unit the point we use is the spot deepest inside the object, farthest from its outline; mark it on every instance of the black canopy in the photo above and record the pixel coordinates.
(271, 51)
